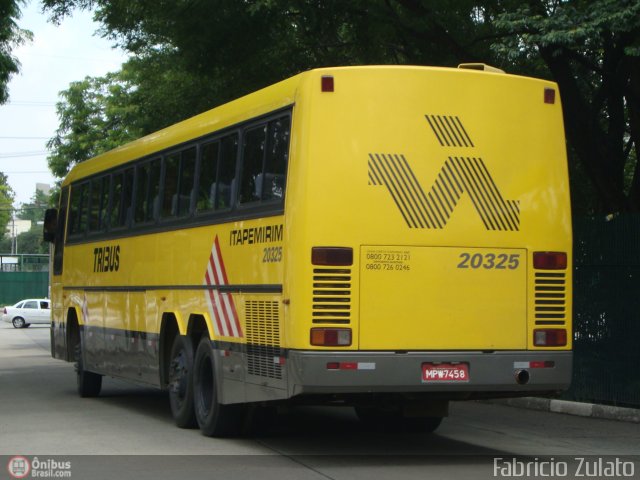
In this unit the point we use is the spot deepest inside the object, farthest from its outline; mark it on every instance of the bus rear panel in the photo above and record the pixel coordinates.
(433, 252)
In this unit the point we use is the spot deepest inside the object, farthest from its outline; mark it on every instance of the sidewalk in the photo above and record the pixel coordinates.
(574, 408)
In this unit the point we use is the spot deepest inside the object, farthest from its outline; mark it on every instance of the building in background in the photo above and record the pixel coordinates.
(44, 188)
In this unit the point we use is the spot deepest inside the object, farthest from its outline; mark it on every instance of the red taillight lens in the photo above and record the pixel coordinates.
(551, 337)
(550, 260)
(326, 83)
(549, 95)
(331, 337)
(332, 256)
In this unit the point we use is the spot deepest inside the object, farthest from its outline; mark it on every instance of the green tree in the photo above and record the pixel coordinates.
(31, 241)
(5, 244)
(6, 204)
(190, 55)
(28, 242)
(592, 49)
(95, 115)
(11, 36)
(34, 210)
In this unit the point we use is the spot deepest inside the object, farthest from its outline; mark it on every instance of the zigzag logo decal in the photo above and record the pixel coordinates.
(459, 175)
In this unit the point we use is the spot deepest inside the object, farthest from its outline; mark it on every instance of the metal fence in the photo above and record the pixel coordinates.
(24, 263)
(23, 276)
(607, 311)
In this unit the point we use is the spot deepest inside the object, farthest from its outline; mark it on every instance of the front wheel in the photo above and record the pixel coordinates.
(181, 382)
(89, 383)
(214, 418)
(18, 322)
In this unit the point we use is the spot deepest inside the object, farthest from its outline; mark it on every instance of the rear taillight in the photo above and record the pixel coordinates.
(334, 256)
(550, 260)
(550, 337)
(331, 337)
(549, 95)
(327, 84)
(5, 310)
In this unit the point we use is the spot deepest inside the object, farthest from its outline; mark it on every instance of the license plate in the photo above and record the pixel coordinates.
(445, 372)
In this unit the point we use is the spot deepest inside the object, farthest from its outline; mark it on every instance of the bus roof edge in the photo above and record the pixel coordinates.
(480, 66)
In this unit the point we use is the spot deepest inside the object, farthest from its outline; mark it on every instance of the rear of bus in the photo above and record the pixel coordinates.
(429, 237)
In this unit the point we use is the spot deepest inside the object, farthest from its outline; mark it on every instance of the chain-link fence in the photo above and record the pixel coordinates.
(607, 311)
(23, 276)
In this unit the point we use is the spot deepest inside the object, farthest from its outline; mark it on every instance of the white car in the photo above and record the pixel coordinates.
(26, 312)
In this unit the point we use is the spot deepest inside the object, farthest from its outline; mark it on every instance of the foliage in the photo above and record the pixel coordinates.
(6, 203)
(189, 55)
(11, 36)
(28, 242)
(592, 49)
(31, 241)
(95, 116)
(34, 210)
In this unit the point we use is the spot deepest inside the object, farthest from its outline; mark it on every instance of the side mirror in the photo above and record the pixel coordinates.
(50, 224)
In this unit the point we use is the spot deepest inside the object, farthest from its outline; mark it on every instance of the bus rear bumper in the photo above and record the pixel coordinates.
(494, 374)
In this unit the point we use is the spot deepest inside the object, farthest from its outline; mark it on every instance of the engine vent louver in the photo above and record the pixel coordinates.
(550, 298)
(331, 296)
(263, 338)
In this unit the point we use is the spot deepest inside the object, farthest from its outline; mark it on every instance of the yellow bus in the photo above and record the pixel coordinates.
(385, 237)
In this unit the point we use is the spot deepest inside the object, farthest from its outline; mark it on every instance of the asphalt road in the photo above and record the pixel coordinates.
(128, 432)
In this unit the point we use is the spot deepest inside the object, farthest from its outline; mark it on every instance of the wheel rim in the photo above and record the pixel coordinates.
(178, 376)
(18, 322)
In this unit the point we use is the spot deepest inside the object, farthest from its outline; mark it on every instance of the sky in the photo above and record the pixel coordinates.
(57, 56)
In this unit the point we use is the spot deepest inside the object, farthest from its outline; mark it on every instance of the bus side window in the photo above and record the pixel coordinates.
(143, 176)
(208, 175)
(225, 188)
(58, 246)
(99, 203)
(147, 191)
(253, 150)
(153, 200)
(271, 184)
(79, 203)
(126, 211)
(170, 190)
(121, 198)
(116, 199)
(104, 203)
(181, 203)
(94, 205)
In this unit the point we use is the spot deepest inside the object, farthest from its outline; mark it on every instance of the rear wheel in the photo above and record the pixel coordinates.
(18, 322)
(89, 383)
(181, 382)
(214, 418)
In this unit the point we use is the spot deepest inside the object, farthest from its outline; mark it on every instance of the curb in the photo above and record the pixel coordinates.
(574, 408)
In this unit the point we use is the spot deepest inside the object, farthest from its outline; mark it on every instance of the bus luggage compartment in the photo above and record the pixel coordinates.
(442, 298)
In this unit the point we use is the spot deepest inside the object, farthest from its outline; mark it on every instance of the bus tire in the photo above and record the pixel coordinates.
(214, 418)
(89, 383)
(181, 382)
